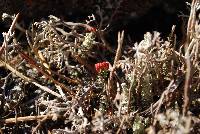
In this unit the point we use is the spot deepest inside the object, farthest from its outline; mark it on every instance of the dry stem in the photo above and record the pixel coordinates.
(26, 118)
(117, 57)
(190, 31)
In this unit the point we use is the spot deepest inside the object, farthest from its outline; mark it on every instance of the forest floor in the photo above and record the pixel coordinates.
(61, 76)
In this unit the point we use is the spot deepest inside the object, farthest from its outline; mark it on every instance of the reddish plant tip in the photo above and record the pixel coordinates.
(101, 66)
(91, 29)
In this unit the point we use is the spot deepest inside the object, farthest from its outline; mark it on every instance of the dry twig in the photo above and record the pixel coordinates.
(25, 119)
(117, 57)
(190, 32)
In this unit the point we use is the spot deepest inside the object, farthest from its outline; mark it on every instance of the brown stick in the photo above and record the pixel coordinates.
(26, 118)
(117, 57)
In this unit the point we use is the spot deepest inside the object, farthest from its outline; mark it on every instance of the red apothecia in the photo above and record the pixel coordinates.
(101, 66)
(91, 29)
